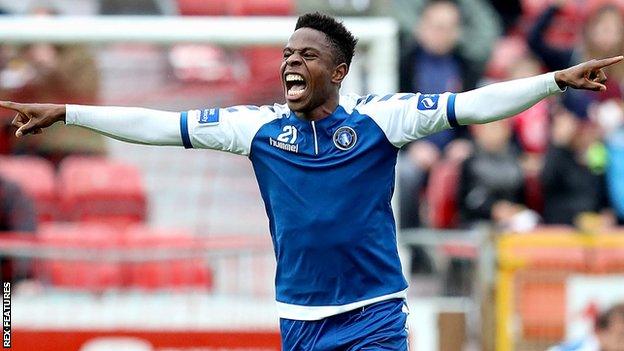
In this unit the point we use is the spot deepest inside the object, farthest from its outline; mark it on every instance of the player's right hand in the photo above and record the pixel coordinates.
(32, 118)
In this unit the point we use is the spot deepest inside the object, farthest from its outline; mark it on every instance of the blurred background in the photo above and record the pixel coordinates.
(510, 232)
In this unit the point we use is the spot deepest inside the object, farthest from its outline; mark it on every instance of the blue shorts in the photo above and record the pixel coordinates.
(380, 326)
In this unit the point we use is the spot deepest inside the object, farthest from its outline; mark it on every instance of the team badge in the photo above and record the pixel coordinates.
(345, 138)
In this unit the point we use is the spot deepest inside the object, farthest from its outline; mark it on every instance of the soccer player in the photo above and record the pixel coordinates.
(325, 167)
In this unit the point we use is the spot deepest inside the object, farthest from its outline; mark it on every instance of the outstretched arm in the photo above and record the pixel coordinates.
(408, 117)
(506, 99)
(131, 124)
(227, 129)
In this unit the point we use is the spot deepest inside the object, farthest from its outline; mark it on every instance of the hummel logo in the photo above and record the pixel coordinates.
(284, 146)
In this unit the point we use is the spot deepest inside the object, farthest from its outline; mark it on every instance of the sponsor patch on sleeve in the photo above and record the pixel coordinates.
(428, 101)
(209, 116)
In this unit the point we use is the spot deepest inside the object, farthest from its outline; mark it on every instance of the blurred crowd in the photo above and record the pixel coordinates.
(560, 162)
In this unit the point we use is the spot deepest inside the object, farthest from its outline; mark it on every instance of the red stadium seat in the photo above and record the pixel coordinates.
(36, 176)
(92, 275)
(262, 7)
(236, 7)
(203, 7)
(263, 63)
(442, 193)
(101, 190)
(166, 273)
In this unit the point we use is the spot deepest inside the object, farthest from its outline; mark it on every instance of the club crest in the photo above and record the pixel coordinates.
(345, 138)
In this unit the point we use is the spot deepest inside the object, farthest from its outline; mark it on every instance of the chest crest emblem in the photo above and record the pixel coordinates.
(345, 138)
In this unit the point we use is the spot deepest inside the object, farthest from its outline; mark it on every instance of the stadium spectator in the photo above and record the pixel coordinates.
(480, 27)
(608, 333)
(51, 73)
(531, 126)
(609, 115)
(432, 53)
(594, 43)
(17, 214)
(491, 183)
(573, 176)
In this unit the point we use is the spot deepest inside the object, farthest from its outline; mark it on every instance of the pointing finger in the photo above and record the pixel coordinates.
(10, 105)
(606, 62)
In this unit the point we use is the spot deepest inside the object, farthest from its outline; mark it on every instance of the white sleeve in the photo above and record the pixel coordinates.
(501, 100)
(131, 124)
(407, 117)
(229, 129)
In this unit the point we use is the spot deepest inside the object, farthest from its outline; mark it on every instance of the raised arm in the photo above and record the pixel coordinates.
(506, 99)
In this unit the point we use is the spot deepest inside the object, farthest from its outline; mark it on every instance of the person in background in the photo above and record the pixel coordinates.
(573, 175)
(602, 35)
(431, 65)
(609, 115)
(531, 133)
(608, 333)
(490, 188)
(491, 183)
(531, 126)
(17, 214)
(480, 28)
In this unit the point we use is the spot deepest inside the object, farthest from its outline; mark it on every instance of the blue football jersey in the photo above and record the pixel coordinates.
(327, 188)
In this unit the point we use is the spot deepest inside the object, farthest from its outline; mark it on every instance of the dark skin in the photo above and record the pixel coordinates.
(310, 55)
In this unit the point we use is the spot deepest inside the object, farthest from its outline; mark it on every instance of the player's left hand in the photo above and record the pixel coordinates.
(588, 75)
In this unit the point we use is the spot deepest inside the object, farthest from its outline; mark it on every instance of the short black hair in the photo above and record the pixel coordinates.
(342, 41)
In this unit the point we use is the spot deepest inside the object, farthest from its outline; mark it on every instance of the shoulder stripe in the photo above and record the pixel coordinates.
(369, 98)
(407, 96)
(450, 111)
(386, 98)
(184, 132)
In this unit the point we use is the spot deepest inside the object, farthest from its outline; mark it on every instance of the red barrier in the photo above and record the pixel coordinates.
(97, 340)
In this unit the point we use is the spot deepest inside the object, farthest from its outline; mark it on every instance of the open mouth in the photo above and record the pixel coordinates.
(295, 85)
